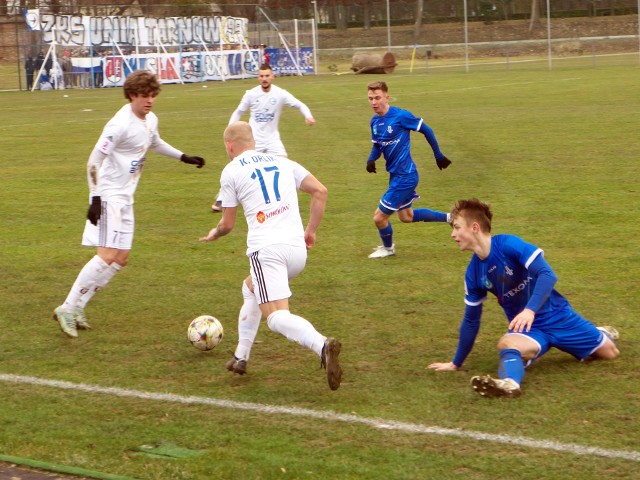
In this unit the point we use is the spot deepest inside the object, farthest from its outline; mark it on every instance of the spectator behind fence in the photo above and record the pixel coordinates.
(29, 67)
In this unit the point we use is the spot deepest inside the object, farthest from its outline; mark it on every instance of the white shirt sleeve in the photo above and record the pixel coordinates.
(93, 167)
(163, 148)
(242, 108)
(292, 101)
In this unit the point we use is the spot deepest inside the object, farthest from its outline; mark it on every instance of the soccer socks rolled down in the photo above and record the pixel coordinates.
(386, 234)
(248, 323)
(103, 279)
(426, 215)
(296, 329)
(85, 281)
(511, 365)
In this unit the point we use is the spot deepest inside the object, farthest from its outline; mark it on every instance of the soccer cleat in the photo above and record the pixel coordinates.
(495, 387)
(610, 332)
(67, 322)
(81, 319)
(329, 361)
(382, 251)
(216, 207)
(236, 365)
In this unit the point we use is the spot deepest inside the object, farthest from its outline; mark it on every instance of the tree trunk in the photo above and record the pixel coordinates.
(366, 12)
(535, 15)
(417, 27)
(341, 17)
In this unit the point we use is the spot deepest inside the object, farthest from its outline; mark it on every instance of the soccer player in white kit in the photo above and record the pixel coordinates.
(113, 172)
(265, 103)
(277, 243)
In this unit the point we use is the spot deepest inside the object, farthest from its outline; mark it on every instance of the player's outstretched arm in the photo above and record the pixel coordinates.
(225, 225)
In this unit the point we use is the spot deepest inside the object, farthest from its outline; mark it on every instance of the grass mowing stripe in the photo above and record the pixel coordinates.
(330, 416)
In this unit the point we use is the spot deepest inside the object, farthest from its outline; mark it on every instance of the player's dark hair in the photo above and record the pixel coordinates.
(473, 210)
(378, 86)
(266, 66)
(141, 82)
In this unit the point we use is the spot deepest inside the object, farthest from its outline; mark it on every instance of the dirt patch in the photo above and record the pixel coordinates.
(10, 471)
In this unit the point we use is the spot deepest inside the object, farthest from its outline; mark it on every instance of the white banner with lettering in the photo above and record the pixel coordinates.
(176, 67)
(90, 31)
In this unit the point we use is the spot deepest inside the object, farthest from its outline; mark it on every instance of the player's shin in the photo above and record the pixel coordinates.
(386, 234)
(426, 215)
(248, 323)
(511, 365)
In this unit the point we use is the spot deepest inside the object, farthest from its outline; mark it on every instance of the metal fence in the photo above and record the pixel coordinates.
(453, 33)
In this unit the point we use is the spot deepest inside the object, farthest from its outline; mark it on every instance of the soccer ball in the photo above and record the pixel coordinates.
(205, 332)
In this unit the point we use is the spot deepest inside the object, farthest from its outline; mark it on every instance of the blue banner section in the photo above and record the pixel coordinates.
(283, 64)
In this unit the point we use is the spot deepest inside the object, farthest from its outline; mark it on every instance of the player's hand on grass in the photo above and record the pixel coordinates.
(443, 367)
(199, 161)
(371, 167)
(95, 210)
(443, 163)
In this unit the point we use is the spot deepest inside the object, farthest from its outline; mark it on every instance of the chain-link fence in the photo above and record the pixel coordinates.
(216, 42)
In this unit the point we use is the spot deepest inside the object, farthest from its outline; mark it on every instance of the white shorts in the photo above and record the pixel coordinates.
(271, 269)
(273, 147)
(114, 229)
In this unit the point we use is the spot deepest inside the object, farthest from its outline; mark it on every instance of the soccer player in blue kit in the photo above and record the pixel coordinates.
(523, 282)
(391, 136)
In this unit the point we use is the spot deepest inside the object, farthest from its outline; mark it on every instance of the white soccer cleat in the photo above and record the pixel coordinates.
(382, 251)
(81, 319)
(610, 332)
(495, 387)
(67, 322)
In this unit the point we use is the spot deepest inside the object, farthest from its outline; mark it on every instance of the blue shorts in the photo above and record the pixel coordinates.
(400, 194)
(568, 331)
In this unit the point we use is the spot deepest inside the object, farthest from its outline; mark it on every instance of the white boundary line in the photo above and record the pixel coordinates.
(330, 416)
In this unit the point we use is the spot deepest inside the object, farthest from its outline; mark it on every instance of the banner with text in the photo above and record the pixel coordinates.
(284, 64)
(172, 67)
(90, 31)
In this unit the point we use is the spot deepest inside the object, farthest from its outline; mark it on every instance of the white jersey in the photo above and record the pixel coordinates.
(125, 140)
(266, 108)
(267, 188)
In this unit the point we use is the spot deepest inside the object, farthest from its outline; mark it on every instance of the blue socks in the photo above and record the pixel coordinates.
(426, 215)
(511, 365)
(386, 234)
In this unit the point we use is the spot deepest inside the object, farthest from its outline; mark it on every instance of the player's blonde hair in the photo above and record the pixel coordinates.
(473, 210)
(240, 134)
(141, 82)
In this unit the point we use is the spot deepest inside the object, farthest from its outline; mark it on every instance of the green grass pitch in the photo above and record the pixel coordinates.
(556, 154)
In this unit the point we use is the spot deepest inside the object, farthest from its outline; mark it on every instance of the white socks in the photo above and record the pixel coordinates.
(296, 329)
(248, 323)
(102, 281)
(93, 276)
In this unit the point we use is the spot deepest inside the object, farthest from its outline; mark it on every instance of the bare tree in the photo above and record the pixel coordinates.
(535, 15)
(417, 26)
(366, 13)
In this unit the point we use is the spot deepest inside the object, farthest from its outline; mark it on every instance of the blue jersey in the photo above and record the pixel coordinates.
(391, 134)
(505, 273)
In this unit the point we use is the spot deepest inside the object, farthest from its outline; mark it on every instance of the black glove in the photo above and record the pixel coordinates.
(95, 210)
(199, 161)
(371, 166)
(443, 163)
